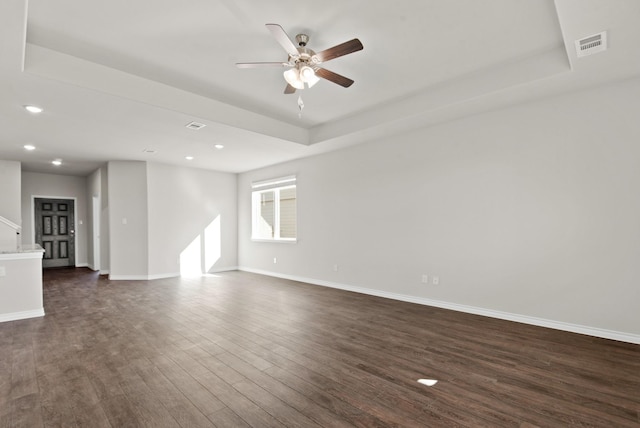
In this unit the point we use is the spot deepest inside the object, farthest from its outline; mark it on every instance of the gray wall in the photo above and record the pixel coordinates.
(128, 219)
(190, 206)
(10, 191)
(21, 287)
(531, 210)
(97, 188)
(57, 186)
(93, 190)
(104, 220)
(10, 206)
(167, 209)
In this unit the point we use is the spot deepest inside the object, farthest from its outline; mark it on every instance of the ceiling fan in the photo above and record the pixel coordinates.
(303, 63)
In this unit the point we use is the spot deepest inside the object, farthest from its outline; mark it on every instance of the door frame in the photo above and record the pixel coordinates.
(75, 220)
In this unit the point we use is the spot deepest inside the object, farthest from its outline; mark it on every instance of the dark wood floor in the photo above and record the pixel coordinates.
(238, 349)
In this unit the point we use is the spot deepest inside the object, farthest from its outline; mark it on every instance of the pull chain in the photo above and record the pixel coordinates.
(300, 106)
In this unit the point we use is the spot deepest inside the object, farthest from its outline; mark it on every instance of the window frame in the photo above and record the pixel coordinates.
(275, 186)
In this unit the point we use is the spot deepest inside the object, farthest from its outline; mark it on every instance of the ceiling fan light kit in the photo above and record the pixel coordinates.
(304, 63)
(300, 75)
(308, 76)
(292, 76)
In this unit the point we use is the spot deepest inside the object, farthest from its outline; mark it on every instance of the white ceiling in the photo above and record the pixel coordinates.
(119, 77)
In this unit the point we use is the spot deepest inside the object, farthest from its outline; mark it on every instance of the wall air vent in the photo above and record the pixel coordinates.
(592, 44)
(195, 125)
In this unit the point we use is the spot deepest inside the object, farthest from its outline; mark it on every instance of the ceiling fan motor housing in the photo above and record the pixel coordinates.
(302, 39)
(306, 56)
(304, 63)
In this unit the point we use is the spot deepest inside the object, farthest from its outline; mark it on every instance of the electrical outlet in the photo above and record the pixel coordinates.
(436, 280)
(3, 271)
(335, 268)
(275, 260)
(425, 278)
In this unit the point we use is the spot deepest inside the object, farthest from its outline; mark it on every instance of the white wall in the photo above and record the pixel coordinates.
(191, 211)
(128, 220)
(532, 211)
(56, 186)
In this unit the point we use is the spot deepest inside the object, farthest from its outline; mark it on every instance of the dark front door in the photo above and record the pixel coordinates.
(54, 221)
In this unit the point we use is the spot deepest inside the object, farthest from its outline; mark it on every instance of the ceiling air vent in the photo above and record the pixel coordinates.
(592, 44)
(195, 125)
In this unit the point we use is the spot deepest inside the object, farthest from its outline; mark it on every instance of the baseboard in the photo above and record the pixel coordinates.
(84, 265)
(525, 319)
(104, 271)
(14, 316)
(128, 277)
(140, 277)
(161, 275)
(223, 269)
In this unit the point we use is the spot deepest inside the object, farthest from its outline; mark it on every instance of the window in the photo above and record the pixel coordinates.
(274, 210)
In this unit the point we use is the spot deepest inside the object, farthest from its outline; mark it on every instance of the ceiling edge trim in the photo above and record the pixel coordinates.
(66, 68)
(422, 105)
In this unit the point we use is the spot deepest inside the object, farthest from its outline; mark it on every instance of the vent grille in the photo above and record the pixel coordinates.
(195, 125)
(592, 44)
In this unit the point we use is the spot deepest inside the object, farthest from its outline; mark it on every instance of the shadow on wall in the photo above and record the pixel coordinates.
(203, 252)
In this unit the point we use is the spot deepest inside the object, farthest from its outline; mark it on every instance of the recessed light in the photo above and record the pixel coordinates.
(33, 109)
(57, 162)
(29, 147)
(219, 146)
(149, 151)
(188, 157)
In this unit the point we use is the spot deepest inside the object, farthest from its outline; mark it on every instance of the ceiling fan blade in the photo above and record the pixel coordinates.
(281, 37)
(334, 77)
(340, 50)
(289, 89)
(261, 64)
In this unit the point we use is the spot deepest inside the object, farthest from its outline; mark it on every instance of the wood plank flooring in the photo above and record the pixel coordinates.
(237, 350)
